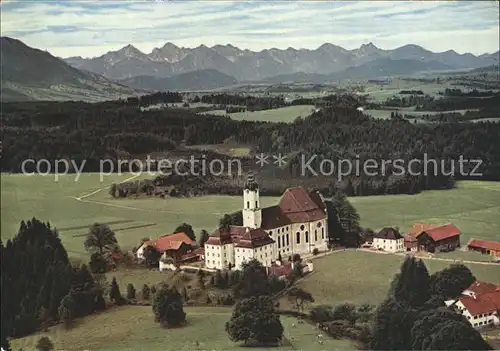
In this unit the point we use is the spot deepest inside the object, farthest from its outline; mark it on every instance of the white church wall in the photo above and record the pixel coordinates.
(242, 255)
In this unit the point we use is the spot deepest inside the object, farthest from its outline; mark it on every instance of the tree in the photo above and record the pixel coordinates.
(412, 283)
(151, 256)
(98, 263)
(450, 282)
(44, 344)
(389, 314)
(146, 292)
(100, 239)
(130, 291)
(187, 229)
(114, 293)
(343, 221)
(254, 320)
(443, 329)
(252, 281)
(299, 296)
(67, 310)
(203, 237)
(167, 307)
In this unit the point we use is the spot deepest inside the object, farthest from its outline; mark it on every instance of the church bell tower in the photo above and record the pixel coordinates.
(252, 214)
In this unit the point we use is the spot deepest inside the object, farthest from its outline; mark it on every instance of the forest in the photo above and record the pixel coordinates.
(122, 130)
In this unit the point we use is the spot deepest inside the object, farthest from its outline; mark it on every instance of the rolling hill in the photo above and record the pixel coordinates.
(195, 80)
(32, 74)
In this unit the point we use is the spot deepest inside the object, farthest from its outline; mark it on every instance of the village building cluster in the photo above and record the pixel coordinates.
(479, 303)
(297, 225)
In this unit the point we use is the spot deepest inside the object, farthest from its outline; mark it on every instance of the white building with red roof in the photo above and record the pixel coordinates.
(480, 304)
(177, 246)
(297, 225)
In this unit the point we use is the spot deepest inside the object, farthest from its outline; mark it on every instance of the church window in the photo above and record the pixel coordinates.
(315, 235)
(256, 204)
(248, 204)
(302, 227)
(288, 239)
(270, 232)
(298, 238)
(319, 224)
(307, 237)
(279, 231)
(279, 243)
(322, 233)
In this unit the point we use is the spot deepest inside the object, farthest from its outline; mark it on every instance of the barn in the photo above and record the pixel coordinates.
(440, 239)
(485, 247)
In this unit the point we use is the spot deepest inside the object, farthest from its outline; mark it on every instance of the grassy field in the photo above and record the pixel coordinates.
(133, 328)
(284, 114)
(359, 277)
(26, 197)
(472, 206)
(234, 150)
(380, 93)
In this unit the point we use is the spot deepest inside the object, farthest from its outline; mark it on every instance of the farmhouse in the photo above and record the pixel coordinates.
(297, 225)
(433, 238)
(410, 239)
(480, 304)
(178, 247)
(388, 239)
(485, 247)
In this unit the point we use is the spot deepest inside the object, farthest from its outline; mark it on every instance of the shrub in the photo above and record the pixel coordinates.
(44, 344)
(315, 251)
(322, 313)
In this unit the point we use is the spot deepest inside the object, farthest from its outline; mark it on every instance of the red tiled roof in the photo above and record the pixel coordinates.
(297, 200)
(296, 206)
(221, 236)
(418, 228)
(410, 238)
(273, 217)
(484, 303)
(485, 244)
(170, 242)
(479, 287)
(254, 238)
(189, 255)
(442, 232)
(280, 271)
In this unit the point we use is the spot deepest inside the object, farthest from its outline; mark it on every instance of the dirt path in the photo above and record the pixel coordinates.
(428, 258)
(83, 198)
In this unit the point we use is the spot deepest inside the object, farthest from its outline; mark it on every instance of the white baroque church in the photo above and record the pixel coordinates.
(297, 225)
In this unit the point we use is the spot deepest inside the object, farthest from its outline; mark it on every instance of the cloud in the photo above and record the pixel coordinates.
(90, 28)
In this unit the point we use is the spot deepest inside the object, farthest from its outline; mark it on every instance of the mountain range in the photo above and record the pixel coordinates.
(246, 65)
(32, 74)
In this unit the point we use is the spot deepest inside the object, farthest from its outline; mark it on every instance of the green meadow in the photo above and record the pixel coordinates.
(473, 206)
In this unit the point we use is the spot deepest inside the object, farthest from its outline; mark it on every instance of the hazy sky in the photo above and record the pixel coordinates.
(91, 28)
